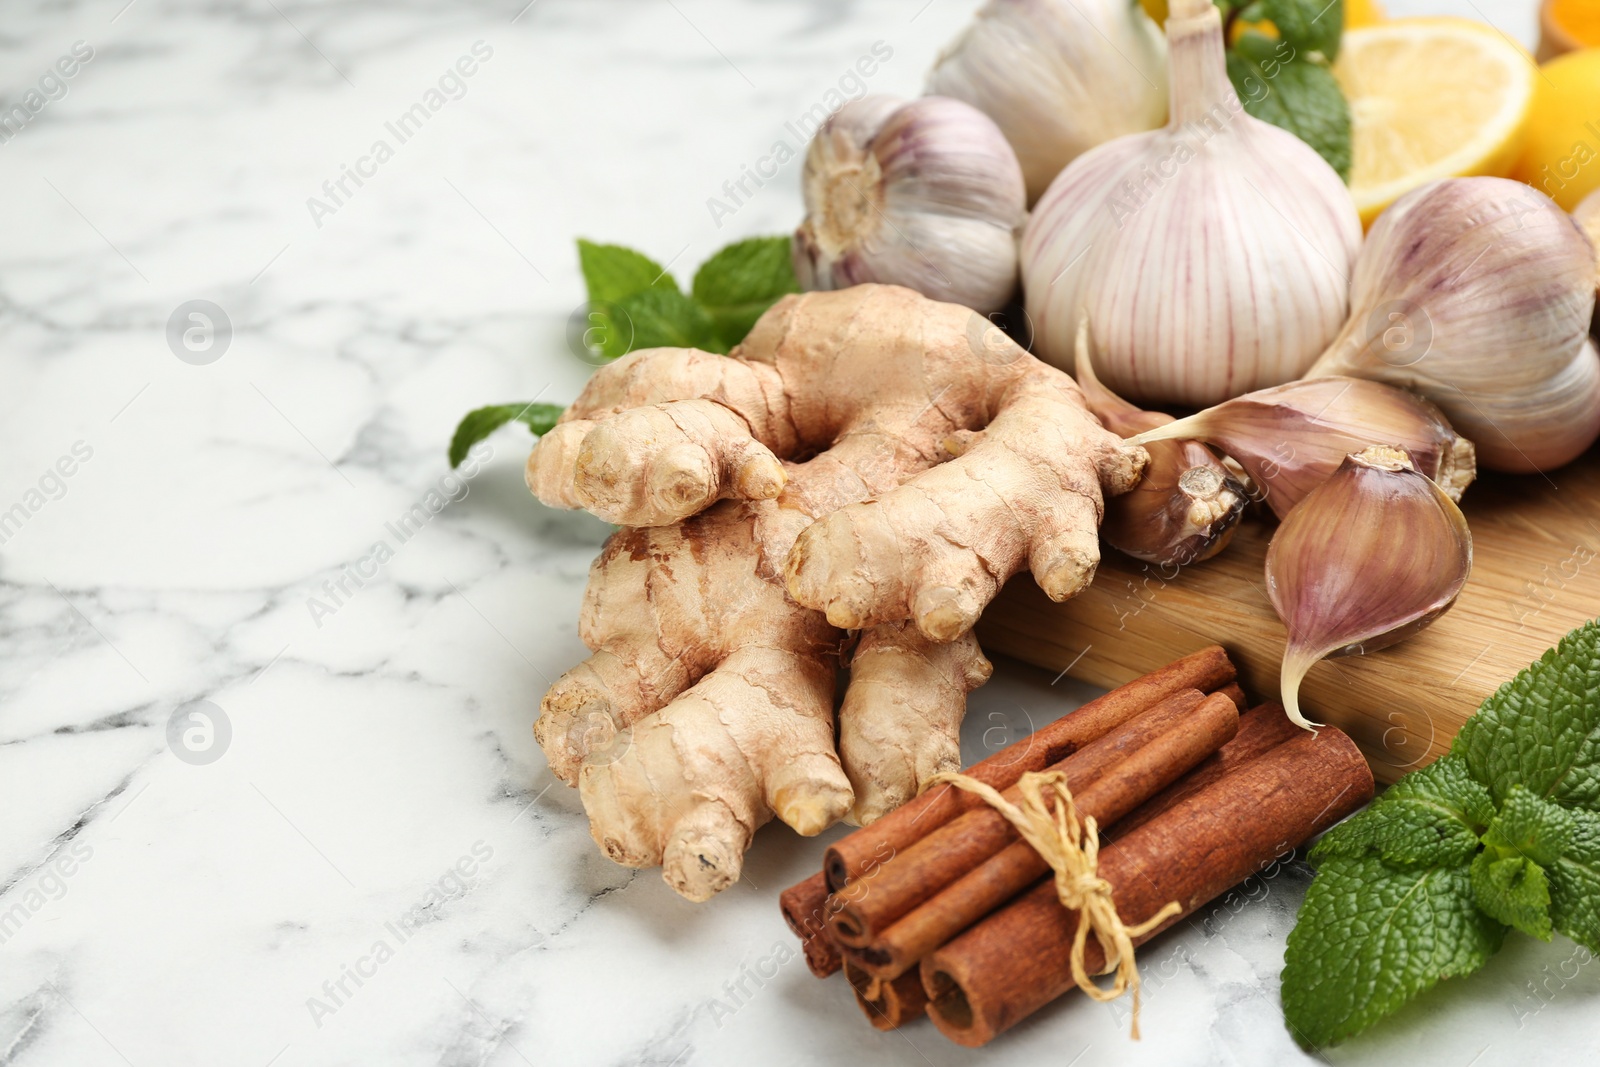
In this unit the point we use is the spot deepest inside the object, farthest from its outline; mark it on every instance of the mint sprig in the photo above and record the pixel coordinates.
(1501, 833)
(1288, 80)
(635, 303)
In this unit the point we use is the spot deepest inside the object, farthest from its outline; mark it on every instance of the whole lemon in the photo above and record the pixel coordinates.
(1359, 13)
(1561, 153)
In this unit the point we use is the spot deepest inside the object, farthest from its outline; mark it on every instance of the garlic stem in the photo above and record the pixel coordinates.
(1199, 71)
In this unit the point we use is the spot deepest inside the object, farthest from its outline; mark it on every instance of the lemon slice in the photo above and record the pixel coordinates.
(1431, 98)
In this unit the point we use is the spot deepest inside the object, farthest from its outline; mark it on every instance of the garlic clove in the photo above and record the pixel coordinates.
(1187, 506)
(1289, 439)
(1368, 558)
(1212, 255)
(1058, 77)
(1478, 293)
(925, 194)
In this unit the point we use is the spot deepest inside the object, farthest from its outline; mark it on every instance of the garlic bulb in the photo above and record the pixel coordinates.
(1291, 438)
(1187, 506)
(1370, 557)
(1478, 293)
(1587, 216)
(925, 194)
(1212, 256)
(1058, 77)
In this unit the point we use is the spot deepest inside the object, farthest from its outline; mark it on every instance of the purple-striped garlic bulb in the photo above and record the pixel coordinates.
(925, 194)
(1212, 256)
(1478, 293)
(1058, 77)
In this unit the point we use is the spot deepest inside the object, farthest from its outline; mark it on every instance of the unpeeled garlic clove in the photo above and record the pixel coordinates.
(1478, 293)
(925, 194)
(1289, 439)
(1187, 506)
(1371, 556)
(1058, 77)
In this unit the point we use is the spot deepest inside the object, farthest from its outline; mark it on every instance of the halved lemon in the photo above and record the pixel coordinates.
(1431, 98)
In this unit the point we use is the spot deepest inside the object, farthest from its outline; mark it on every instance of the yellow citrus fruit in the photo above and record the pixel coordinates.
(1572, 23)
(1358, 13)
(1431, 98)
(1561, 153)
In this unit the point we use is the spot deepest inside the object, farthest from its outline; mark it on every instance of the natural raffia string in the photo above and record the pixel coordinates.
(1072, 849)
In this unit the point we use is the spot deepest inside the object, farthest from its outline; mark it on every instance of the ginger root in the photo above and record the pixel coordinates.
(867, 460)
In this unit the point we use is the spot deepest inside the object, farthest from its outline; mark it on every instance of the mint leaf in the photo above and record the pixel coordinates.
(612, 272)
(1529, 825)
(1541, 730)
(1575, 883)
(1431, 817)
(1309, 25)
(1371, 937)
(737, 285)
(1291, 89)
(660, 318)
(481, 423)
(1514, 890)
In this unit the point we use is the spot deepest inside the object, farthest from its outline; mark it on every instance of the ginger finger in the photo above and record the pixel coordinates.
(1027, 491)
(739, 415)
(689, 785)
(901, 720)
(655, 631)
(652, 466)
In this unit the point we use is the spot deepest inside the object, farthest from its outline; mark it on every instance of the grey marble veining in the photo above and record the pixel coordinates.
(379, 868)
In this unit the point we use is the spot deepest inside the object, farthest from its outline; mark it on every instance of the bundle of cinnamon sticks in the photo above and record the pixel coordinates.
(940, 907)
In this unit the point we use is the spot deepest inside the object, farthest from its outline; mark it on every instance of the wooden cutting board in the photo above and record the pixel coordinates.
(1535, 576)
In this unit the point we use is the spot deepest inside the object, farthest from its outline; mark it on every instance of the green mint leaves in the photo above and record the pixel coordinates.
(481, 423)
(1542, 729)
(1288, 80)
(1371, 936)
(1504, 832)
(634, 303)
(738, 284)
(1432, 816)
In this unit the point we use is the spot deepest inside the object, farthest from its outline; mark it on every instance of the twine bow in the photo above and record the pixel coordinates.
(1072, 849)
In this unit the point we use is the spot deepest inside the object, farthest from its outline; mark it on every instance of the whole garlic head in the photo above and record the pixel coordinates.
(1058, 77)
(1212, 256)
(1587, 216)
(925, 194)
(1478, 294)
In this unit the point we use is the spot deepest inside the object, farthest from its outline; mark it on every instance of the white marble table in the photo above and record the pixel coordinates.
(379, 868)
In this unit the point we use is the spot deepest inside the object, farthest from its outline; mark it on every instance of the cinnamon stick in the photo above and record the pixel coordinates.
(888, 1004)
(1211, 725)
(804, 908)
(1261, 729)
(1018, 959)
(864, 850)
(863, 911)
